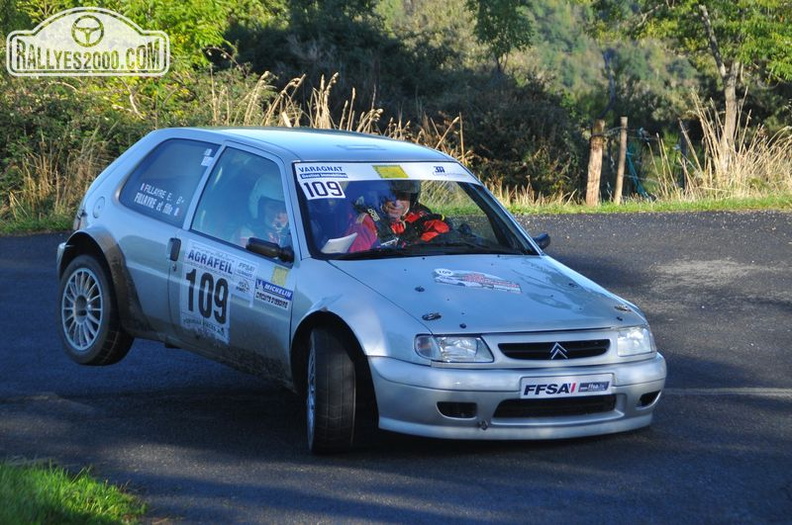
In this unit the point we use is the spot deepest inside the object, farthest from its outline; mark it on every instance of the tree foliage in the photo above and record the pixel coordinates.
(328, 11)
(757, 34)
(502, 25)
(738, 42)
(421, 61)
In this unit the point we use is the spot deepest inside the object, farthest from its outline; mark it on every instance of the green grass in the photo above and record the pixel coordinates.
(37, 225)
(46, 494)
(774, 202)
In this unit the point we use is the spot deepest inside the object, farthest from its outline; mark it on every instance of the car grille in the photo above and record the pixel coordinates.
(548, 350)
(573, 406)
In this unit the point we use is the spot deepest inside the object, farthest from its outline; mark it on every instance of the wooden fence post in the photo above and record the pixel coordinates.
(595, 163)
(617, 194)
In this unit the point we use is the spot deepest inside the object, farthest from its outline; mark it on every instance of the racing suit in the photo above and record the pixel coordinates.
(374, 230)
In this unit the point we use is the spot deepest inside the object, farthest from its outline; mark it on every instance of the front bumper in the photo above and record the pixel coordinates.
(485, 404)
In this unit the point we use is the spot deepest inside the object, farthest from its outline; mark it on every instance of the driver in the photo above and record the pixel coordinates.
(267, 208)
(399, 220)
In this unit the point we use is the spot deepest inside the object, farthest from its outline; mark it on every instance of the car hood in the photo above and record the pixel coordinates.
(488, 293)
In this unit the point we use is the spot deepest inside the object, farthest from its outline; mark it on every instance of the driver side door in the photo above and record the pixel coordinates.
(229, 303)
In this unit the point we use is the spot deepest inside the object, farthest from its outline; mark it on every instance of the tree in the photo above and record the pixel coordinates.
(502, 25)
(745, 41)
(305, 12)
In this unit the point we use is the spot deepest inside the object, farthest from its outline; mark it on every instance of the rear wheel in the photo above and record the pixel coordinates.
(89, 324)
(330, 394)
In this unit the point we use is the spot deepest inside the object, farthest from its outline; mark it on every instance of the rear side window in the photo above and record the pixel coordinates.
(163, 184)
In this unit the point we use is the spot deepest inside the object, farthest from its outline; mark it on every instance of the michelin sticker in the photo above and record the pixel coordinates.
(210, 277)
(474, 280)
(273, 294)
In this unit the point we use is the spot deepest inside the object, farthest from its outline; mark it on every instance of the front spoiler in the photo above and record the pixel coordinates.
(408, 396)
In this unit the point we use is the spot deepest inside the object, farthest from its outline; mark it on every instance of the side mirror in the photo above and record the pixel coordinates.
(542, 240)
(270, 249)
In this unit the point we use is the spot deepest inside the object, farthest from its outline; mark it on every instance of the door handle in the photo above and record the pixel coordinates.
(174, 247)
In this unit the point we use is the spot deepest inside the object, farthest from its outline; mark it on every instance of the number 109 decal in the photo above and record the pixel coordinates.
(212, 296)
(322, 189)
(208, 280)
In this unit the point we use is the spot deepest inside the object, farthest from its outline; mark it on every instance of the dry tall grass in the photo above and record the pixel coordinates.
(759, 165)
(49, 190)
(261, 105)
(53, 180)
(526, 198)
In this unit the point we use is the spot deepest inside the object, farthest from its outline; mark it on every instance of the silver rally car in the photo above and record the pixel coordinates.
(377, 278)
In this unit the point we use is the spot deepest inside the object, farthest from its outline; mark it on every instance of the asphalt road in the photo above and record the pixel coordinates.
(204, 444)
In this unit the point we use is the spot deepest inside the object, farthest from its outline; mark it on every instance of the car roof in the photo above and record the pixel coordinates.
(311, 145)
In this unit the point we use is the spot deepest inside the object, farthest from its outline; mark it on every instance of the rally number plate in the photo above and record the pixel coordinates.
(568, 386)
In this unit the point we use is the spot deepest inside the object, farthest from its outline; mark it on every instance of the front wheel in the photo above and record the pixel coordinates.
(89, 324)
(330, 394)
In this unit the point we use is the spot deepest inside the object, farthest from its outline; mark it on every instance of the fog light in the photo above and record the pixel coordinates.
(457, 410)
(647, 399)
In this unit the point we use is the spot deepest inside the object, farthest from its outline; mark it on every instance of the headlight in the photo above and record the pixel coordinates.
(453, 349)
(634, 341)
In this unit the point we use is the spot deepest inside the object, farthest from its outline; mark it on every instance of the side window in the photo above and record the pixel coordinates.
(163, 184)
(243, 198)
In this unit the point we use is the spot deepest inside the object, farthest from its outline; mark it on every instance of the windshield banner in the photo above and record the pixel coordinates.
(397, 170)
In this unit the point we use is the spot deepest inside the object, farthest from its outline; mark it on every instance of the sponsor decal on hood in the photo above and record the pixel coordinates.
(473, 279)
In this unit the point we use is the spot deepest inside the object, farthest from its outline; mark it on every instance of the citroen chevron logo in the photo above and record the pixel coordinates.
(558, 352)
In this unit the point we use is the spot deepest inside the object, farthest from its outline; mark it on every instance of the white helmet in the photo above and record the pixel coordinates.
(268, 187)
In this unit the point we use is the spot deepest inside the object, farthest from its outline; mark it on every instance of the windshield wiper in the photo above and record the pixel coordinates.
(476, 247)
(431, 248)
(377, 253)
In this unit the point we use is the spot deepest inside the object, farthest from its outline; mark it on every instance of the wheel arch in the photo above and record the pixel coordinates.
(80, 243)
(103, 247)
(366, 411)
(301, 343)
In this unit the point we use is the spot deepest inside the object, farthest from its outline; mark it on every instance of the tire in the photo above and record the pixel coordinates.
(89, 323)
(330, 394)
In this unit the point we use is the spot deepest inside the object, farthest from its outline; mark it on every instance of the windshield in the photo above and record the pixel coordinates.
(359, 211)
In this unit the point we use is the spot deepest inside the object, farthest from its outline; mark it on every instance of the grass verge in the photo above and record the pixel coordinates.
(775, 202)
(47, 494)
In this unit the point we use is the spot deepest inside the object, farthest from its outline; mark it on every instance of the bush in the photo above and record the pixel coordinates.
(59, 136)
(519, 135)
(523, 137)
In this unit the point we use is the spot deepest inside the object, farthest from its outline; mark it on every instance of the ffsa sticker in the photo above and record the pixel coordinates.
(209, 279)
(571, 386)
